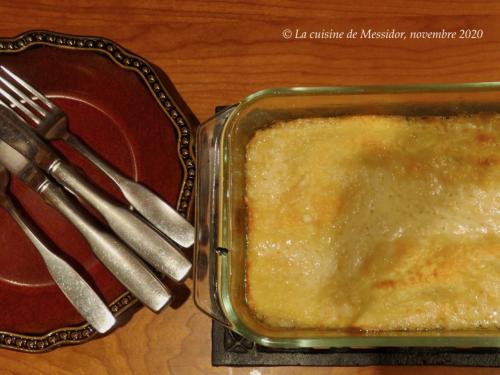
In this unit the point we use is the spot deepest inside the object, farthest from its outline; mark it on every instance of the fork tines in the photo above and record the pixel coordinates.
(22, 97)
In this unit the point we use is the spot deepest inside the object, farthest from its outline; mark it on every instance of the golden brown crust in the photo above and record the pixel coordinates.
(377, 222)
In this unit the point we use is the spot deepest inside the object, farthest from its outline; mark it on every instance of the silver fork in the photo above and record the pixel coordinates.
(74, 287)
(52, 124)
(132, 229)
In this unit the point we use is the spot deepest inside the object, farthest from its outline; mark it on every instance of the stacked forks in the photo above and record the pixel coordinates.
(28, 122)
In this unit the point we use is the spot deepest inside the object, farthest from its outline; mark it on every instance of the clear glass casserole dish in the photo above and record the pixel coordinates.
(220, 215)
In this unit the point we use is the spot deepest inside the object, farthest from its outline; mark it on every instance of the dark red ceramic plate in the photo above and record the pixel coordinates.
(117, 103)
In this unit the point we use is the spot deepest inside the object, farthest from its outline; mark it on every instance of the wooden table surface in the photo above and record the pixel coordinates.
(218, 52)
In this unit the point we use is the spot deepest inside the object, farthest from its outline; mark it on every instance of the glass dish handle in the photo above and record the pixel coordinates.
(206, 296)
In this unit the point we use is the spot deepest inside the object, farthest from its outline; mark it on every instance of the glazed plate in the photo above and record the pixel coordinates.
(127, 111)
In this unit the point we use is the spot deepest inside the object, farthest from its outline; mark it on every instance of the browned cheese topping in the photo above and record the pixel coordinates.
(375, 222)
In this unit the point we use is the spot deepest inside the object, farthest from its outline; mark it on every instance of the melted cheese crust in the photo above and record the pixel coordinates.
(375, 222)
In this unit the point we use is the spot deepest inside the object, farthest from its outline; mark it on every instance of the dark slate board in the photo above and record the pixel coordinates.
(230, 349)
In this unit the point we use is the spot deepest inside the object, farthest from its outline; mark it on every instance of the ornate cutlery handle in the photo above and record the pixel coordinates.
(116, 256)
(148, 204)
(147, 243)
(74, 287)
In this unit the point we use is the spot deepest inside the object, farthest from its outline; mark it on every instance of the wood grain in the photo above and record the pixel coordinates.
(218, 52)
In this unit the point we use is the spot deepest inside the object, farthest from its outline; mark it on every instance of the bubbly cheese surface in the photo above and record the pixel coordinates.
(375, 222)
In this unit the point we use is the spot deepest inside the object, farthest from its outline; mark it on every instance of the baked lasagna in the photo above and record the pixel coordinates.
(375, 223)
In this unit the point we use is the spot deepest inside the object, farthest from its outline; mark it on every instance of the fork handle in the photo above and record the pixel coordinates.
(75, 288)
(148, 204)
(115, 255)
(147, 243)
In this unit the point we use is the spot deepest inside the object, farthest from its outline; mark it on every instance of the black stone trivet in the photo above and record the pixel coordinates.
(230, 349)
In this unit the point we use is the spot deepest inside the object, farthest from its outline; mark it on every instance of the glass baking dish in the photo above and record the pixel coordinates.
(220, 215)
